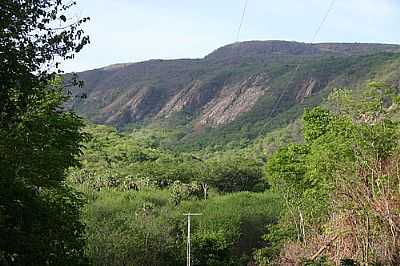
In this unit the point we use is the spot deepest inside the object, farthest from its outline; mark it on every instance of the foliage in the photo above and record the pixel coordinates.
(114, 160)
(140, 190)
(211, 248)
(341, 186)
(131, 228)
(39, 214)
(30, 44)
(146, 228)
(181, 191)
(316, 123)
(237, 173)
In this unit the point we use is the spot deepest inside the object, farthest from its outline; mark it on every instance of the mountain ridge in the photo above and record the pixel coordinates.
(389, 47)
(235, 81)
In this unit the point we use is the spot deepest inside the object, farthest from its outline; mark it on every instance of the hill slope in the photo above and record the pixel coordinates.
(238, 91)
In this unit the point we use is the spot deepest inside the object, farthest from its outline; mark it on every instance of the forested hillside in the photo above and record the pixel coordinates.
(237, 93)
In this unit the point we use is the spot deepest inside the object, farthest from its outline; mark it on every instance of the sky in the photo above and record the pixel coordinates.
(123, 31)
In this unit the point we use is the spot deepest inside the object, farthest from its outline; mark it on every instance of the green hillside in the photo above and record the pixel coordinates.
(270, 113)
(234, 136)
(235, 94)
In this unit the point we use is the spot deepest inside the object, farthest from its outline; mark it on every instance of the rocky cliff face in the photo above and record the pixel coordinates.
(232, 100)
(251, 77)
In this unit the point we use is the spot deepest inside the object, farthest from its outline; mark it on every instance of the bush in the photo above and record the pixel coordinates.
(234, 174)
(146, 228)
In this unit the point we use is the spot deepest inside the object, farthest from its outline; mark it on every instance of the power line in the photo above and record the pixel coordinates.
(323, 21)
(242, 20)
(318, 30)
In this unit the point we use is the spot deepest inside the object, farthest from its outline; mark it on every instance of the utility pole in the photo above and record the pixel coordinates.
(188, 257)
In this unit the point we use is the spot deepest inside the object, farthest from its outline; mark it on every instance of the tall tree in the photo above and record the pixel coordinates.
(39, 213)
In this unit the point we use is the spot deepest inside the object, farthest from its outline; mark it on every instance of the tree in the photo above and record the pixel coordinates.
(236, 173)
(285, 172)
(39, 213)
(345, 183)
(212, 248)
(203, 175)
(31, 46)
(316, 123)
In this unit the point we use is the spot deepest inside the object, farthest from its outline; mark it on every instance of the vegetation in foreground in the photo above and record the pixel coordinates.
(333, 199)
(138, 193)
(39, 212)
(341, 187)
(148, 228)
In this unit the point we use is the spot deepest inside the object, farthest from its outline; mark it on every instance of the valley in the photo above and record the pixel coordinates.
(271, 127)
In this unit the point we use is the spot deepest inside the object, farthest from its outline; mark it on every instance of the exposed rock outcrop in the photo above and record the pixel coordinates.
(233, 100)
(186, 98)
(306, 90)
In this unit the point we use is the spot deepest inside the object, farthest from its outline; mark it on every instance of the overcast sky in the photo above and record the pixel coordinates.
(138, 30)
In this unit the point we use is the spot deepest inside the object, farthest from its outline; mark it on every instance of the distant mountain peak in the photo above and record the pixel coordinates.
(265, 49)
